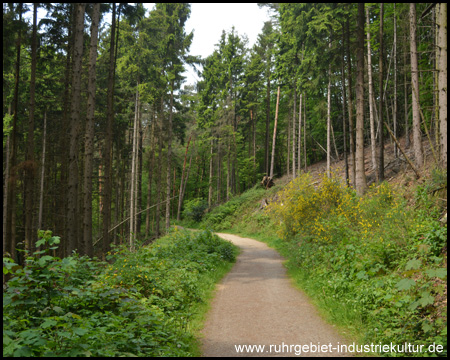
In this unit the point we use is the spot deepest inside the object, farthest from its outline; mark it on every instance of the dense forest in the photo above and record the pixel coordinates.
(103, 144)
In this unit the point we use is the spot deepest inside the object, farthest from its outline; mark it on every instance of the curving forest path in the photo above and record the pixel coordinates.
(255, 304)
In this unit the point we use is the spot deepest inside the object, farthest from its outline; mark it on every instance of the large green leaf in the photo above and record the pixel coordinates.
(405, 284)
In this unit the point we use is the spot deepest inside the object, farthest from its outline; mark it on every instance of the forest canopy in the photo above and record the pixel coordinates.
(103, 143)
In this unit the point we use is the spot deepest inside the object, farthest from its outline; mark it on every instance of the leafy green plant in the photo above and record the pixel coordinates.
(195, 208)
(140, 303)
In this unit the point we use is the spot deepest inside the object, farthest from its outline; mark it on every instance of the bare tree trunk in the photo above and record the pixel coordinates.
(11, 175)
(329, 120)
(350, 110)
(361, 183)
(41, 194)
(5, 193)
(442, 80)
(169, 158)
(228, 169)
(138, 203)
(210, 189)
(371, 104)
(219, 171)
(132, 232)
(106, 213)
(288, 157)
(266, 157)
(180, 195)
(158, 180)
(187, 177)
(417, 135)
(150, 173)
(407, 140)
(87, 248)
(380, 164)
(304, 129)
(29, 156)
(344, 103)
(274, 134)
(72, 194)
(394, 112)
(299, 134)
(253, 116)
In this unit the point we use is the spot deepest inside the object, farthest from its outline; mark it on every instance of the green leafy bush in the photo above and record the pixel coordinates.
(138, 304)
(194, 209)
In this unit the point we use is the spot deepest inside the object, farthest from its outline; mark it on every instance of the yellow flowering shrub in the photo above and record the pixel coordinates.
(302, 206)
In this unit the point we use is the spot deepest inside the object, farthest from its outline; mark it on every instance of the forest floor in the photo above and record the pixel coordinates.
(397, 170)
(256, 304)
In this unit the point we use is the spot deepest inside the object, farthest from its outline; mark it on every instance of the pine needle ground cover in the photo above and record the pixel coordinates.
(375, 264)
(145, 303)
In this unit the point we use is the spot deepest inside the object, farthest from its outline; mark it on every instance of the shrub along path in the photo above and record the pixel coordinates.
(256, 304)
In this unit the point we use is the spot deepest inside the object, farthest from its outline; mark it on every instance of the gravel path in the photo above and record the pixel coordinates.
(255, 304)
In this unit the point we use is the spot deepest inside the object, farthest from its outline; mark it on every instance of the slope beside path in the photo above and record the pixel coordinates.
(255, 304)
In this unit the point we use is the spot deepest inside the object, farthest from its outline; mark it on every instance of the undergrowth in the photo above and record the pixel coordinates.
(376, 264)
(139, 303)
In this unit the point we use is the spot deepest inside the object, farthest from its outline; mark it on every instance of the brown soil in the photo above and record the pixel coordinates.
(396, 169)
(256, 304)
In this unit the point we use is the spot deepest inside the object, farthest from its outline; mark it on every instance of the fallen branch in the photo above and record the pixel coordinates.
(128, 218)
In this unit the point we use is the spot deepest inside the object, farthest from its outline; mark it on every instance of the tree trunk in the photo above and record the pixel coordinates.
(169, 158)
(329, 119)
(11, 178)
(442, 80)
(304, 129)
(41, 194)
(150, 173)
(274, 133)
(180, 195)
(417, 135)
(294, 172)
(288, 157)
(29, 156)
(266, 157)
(299, 148)
(87, 248)
(138, 204)
(344, 103)
(407, 140)
(5, 193)
(380, 164)
(132, 233)
(350, 110)
(253, 115)
(371, 104)
(361, 184)
(159, 167)
(210, 188)
(394, 111)
(219, 172)
(106, 213)
(72, 194)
